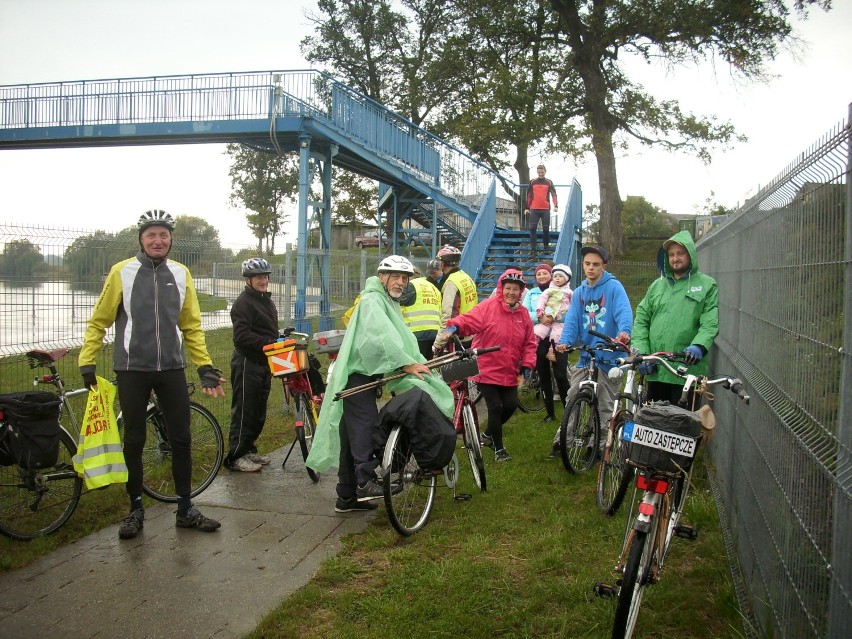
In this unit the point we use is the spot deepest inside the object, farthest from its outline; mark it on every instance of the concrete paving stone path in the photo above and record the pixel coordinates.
(277, 527)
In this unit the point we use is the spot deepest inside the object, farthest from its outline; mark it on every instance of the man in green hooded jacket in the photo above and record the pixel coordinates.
(377, 343)
(680, 312)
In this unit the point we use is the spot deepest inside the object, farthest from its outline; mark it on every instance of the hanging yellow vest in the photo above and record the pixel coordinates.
(348, 314)
(100, 455)
(425, 313)
(466, 288)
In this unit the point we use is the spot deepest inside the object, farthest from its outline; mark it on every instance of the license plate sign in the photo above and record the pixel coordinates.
(659, 439)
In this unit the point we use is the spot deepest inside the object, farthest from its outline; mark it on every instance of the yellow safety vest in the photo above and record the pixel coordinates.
(425, 313)
(100, 457)
(466, 288)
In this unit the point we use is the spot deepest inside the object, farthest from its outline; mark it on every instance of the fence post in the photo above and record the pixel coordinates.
(840, 605)
(288, 283)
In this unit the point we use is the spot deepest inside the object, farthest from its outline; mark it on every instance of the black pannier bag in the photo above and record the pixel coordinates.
(315, 375)
(665, 417)
(33, 428)
(432, 435)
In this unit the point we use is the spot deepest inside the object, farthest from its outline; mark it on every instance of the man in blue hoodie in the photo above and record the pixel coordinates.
(600, 303)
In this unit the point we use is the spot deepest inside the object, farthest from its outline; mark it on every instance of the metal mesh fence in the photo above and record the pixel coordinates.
(784, 273)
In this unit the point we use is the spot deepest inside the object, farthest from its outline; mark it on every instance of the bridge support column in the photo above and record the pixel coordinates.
(302, 324)
(326, 321)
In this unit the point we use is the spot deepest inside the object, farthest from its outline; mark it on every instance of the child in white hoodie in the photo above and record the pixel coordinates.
(553, 303)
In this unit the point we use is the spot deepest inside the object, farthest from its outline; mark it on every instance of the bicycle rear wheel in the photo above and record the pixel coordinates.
(305, 432)
(37, 502)
(614, 475)
(530, 398)
(471, 443)
(633, 583)
(208, 451)
(409, 489)
(579, 434)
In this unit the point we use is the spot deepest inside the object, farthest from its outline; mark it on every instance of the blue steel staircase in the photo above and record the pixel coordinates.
(423, 178)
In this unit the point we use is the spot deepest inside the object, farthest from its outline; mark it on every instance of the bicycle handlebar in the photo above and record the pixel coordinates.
(734, 384)
(609, 341)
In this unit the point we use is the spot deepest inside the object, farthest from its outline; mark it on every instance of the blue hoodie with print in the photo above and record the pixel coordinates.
(603, 307)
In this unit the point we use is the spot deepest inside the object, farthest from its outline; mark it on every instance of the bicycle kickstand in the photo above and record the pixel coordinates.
(287, 456)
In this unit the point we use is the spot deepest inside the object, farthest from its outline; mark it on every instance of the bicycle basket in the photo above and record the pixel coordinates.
(663, 438)
(32, 428)
(287, 357)
(460, 369)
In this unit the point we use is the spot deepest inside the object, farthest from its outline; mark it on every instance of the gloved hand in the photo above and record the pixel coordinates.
(646, 368)
(89, 380)
(210, 377)
(524, 372)
(693, 354)
(452, 328)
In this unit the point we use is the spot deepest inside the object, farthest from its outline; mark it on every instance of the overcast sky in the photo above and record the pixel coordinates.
(56, 40)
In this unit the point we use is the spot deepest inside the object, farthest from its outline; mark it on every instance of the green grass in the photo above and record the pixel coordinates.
(519, 561)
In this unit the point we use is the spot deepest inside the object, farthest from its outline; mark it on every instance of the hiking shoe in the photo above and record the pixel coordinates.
(245, 465)
(502, 456)
(548, 419)
(374, 489)
(263, 460)
(132, 524)
(486, 440)
(352, 505)
(194, 519)
(556, 450)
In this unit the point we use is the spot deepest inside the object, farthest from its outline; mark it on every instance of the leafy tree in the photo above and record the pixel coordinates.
(21, 260)
(90, 257)
(196, 243)
(641, 218)
(592, 224)
(263, 183)
(743, 34)
(354, 199)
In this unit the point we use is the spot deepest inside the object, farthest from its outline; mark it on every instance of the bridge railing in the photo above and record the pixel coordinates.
(245, 96)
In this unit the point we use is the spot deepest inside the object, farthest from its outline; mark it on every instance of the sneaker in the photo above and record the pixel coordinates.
(245, 465)
(194, 519)
(555, 451)
(352, 505)
(502, 456)
(485, 440)
(374, 489)
(263, 460)
(548, 419)
(132, 524)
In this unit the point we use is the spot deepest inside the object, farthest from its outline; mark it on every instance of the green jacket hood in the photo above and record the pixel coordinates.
(684, 239)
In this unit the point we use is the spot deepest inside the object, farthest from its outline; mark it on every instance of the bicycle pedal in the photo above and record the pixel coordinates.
(463, 497)
(604, 591)
(686, 532)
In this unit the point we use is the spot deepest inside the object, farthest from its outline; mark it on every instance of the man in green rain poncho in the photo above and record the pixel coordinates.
(377, 343)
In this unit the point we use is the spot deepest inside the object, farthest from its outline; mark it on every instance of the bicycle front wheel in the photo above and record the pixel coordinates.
(37, 502)
(208, 451)
(614, 475)
(633, 583)
(471, 443)
(409, 489)
(579, 434)
(305, 432)
(530, 398)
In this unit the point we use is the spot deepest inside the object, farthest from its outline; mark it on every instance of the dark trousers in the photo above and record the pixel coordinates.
(544, 216)
(134, 391)
(501, 402)
(559, 370)
(250, 387)
(358, 461)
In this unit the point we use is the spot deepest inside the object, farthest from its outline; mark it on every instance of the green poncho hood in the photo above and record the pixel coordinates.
(377, 342)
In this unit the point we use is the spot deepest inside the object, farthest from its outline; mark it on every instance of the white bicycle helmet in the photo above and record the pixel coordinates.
(256, 266)
(449, 254)
(395, 264)
(155, 217)
(564, 269)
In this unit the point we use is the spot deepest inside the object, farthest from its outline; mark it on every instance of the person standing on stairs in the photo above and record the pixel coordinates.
(540, 193)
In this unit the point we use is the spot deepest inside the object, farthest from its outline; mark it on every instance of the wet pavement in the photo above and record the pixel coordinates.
(277, 527)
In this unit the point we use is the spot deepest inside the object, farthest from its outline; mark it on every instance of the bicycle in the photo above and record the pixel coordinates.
(409, 489)
(662, 456)
(579, 432)
(36, 503)
(289, 361)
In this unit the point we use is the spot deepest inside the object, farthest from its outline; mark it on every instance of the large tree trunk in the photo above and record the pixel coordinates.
(612, 234)
(522, 166)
